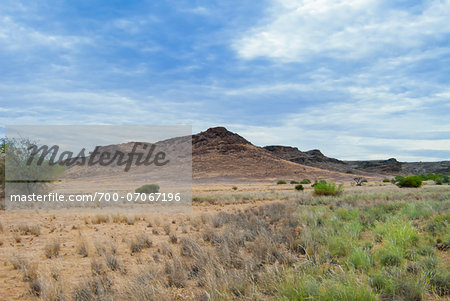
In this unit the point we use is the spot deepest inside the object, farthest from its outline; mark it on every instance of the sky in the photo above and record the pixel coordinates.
(357, 79)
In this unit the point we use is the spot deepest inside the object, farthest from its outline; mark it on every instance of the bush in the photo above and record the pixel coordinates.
(390, 258)
(299, 187)
(398, 179)
(386, 181)
(150, 188)
(139, 243)
(305, 181)
(440, 283)
(234, 188)
(281, 182)
(317, 182)
(411, 181)
(324, 188)
(361, 259)
(52, 249)
(294, 182)
(348, 214)
(359, 181)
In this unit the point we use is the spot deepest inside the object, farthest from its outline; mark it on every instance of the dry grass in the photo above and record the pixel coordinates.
(25, 229)
(82, 248)
(97, 267)
(140, 242)
(167, 229)
(113, 263)
(29, 270)
(52, 249)
(324, 247)
(177, 272)
(16, 237)
(100, 219)
(131, 219)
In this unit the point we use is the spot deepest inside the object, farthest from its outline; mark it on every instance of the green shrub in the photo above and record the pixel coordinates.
(234, 188)
(386, 181)
(390, 257)
(426, 251)
(394, 284)
(317, 182)
(440, 283)
(417, 210)
(298, 287)
(411, 181)
(398, 179)
(409, 287)
(149, 188)
(305, 181)
(306, 287)
(299, 187)
(338, 246)
(346, 290)
(294, 182)
(361, 259)
(430, 176)
(348, 214)
(280, 182)
(398, 233)
(381, 283)
(324, 188)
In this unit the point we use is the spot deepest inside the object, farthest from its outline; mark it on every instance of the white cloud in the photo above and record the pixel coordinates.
(297, 30)
(18, 37)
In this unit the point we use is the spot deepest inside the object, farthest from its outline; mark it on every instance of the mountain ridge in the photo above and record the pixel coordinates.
(221, 155)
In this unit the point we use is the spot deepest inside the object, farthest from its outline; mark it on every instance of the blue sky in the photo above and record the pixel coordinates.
(360, 79)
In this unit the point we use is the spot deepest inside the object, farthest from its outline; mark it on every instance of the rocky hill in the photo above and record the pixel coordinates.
(220, 155)
(381, 167)
(313, 158)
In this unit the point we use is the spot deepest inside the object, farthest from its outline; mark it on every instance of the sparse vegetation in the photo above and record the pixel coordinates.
(305, 181)
(140, 242)
(324, 188)
(281, 182)
(294, 182)
(359, 181)
(386, 180)
(82, 248)
(52, 249)
(25, 229)
(149, 188)
(371, 243)
(411, 181)
(299, 187)
(437, 178)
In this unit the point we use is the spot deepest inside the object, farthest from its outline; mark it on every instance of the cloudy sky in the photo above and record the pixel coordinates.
(358, 79)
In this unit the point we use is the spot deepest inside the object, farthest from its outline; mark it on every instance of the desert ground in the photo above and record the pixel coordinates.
(259, 241)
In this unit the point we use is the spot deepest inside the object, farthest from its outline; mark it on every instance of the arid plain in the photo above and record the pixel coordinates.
(251, 235)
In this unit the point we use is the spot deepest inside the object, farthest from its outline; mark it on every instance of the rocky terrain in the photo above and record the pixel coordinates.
(219, 155)
(387, 167)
